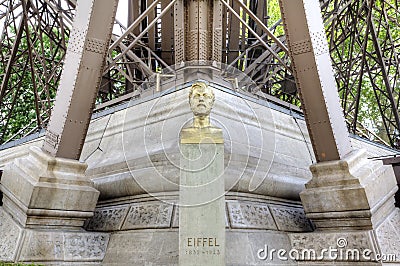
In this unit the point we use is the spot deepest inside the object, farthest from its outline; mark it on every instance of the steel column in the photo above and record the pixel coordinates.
(198, 30)
(81, 77)
(315, 79)
(179, 32)
(217, 31)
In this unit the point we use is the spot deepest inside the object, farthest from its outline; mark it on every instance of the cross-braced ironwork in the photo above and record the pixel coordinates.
(365, 44)
(363, 36)
(33, 43)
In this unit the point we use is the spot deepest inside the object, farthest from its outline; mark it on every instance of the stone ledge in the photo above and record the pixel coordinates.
(355, 193)
(243, 213)
(40, 190)
(339, 242)
(10, 235)
(49, 246)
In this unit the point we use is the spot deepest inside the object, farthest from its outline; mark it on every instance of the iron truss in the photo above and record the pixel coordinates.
(363, 35)
(365, 45)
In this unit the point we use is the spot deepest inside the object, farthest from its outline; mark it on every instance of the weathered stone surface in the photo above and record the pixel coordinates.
(149, 215)
(353, 193)
(175, 218)
(85, 246)
(142, 248)
(202, 205)
(246, 247)
(10, 236)
(28, 184)
(250, 215)
(43, 246)
(388, 234)
(107, 219)
(343, 244)
(395, 219)
(155, 247)
(63, 246)
(290, 219)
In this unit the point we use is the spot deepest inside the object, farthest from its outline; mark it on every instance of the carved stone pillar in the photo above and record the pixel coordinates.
(350, 197)
(47, 196)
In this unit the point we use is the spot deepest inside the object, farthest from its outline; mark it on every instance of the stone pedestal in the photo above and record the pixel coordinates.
(46, 201)
(202, 201)
(351, 203)
(351, 194)
(40, 190)
(51, 246)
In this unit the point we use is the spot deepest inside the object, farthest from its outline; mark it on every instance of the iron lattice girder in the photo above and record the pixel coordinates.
(314, 77)
(366, 61)
(32, 49)
(359, 74)
(84, 62)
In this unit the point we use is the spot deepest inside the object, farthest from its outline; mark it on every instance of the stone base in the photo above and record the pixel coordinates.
(351, 202)
(388, 235)
(160, 247)
(361, 247)
(49, 247)
(145, 230)
(42, 191)
(352, 194)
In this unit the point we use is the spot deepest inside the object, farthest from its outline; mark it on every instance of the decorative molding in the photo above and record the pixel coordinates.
(149, 215)
(10, 235)
(240, 214)
(250, 215)
(107, 219)
(63, 246)
(290, 219)
(85, 246)
(342, 242)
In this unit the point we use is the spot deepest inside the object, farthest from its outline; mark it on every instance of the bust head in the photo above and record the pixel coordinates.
(201, 99)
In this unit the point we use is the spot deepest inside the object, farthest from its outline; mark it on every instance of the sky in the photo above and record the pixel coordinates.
(122, 12)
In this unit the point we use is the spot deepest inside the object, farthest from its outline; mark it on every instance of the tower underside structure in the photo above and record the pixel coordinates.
(108, 100)
(248, 35)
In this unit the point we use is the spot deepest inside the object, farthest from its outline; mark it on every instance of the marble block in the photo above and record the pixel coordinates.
(202, 205)
(43, 191)
(356, 193)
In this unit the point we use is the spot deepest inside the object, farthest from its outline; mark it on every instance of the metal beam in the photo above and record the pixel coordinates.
(262, 25)
(277, 57)
(81, 77)
(13, 54)
(134, 25)
(217, 31)
(315, 79)
(179, 32)
(145, 31)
